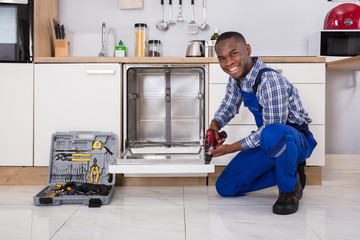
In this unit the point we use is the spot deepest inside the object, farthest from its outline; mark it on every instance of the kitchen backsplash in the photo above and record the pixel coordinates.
(273, 28)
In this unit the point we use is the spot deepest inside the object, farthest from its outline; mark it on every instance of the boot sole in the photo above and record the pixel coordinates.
(285, 210)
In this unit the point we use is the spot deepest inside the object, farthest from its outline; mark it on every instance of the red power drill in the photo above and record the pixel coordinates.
(210, 143)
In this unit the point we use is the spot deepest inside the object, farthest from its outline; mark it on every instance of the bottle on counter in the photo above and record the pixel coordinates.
(140, 39)
(120, 50)
(211, 44)
(209, 48)
(215, 35)
(154, 48)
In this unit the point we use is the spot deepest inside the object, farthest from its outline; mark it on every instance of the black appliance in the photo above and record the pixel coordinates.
(340, 43)
(16, 30)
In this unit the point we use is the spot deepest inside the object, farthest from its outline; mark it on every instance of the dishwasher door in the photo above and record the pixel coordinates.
(164, 120)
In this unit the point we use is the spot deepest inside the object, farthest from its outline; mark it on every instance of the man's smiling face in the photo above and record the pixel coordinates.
(234, 57)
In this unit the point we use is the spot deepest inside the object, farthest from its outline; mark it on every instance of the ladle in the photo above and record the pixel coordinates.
(162, 25)
(204, 25)
(170, 22)
(180, 17)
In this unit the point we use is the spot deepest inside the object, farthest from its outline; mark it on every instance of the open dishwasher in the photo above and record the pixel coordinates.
(164, 119)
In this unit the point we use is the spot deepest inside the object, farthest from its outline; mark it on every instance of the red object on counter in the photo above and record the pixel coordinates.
(344, 16)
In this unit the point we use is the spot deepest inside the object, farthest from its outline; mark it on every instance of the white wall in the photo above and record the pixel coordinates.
(273, 28)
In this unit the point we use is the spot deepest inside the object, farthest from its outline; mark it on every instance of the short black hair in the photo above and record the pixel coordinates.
(227, 35)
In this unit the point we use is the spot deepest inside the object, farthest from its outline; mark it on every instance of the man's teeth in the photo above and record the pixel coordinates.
(232, 69)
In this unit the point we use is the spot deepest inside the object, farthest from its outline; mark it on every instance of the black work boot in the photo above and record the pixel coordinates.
(288, 203)
(301, 171)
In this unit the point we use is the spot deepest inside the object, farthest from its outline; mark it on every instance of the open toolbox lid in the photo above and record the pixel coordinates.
(82, 157)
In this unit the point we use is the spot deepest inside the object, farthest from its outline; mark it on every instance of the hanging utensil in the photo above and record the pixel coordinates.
(204, 26)
(102, 53)
(170, 22)
(162, 25)
(193, 28)
(180, 17)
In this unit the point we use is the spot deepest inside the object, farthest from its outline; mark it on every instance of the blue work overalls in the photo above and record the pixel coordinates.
(274, 162)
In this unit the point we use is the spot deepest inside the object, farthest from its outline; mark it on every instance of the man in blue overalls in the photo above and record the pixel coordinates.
(275, 153)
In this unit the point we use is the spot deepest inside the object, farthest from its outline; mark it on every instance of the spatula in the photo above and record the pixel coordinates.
(192, 26)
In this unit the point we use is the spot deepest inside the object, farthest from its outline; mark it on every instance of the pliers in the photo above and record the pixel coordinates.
(68, 157)
(94, 168)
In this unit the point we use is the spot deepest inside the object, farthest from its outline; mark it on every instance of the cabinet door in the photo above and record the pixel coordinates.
(312, 97)
(294, 72)
(312, 94)
(216, 95)
(74, 97)
(301, 72)
(16, 97)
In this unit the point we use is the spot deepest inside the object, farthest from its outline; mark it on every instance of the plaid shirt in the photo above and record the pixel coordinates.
(279, 98)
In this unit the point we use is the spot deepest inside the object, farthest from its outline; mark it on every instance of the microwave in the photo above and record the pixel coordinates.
(340, 43)
(16, 30)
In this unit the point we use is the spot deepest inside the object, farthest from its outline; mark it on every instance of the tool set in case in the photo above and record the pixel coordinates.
(79, 169)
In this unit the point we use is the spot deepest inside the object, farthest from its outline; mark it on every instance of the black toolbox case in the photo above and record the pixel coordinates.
(79, 169)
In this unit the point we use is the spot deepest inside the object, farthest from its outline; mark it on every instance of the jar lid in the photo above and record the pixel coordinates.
(155, 41)
(140, 25)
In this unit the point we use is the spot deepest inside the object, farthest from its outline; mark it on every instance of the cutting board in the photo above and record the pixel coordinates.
(130, 4)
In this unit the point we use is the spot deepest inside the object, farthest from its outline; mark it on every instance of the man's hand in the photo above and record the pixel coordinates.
(222, 149)
(216, 126)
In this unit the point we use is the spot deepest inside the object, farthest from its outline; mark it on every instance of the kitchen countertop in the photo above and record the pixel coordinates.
(168, 60)
(347, 64)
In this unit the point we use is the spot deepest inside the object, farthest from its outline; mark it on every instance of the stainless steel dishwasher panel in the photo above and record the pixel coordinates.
(164, 105)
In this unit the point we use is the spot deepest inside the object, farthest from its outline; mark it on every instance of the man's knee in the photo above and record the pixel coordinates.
(223, 187)
(229, 187)
(272, 137)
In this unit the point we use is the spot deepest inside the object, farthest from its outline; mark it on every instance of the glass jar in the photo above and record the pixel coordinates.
(154, 48)
(140, 39)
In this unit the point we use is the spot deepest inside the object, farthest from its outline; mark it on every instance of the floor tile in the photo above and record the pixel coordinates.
(148, 230)
(141, 191)
(38, 223)
(118, 215)
(148, 196)
(330, 211)
(250, 230)
(19, 195)
(203, 196)
(130, 222)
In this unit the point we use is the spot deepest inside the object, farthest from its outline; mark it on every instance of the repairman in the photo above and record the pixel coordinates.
(274, 153)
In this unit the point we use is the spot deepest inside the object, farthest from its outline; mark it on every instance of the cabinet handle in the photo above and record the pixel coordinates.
(100, 72)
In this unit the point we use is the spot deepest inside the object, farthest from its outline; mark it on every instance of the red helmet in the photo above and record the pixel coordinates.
(344, 16)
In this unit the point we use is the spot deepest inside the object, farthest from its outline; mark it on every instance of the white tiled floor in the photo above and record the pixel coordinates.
(330, 211)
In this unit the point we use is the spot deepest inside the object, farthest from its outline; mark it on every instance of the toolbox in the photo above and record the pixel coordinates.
(79, 169)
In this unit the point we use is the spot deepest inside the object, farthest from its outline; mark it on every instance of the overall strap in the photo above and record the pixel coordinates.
(258, 77)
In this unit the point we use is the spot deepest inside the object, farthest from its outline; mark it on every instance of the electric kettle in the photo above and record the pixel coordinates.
(196, 48)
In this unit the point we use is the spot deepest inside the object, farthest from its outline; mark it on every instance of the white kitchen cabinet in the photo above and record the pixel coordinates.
(308, 78)
(74, 97)
(16, 97)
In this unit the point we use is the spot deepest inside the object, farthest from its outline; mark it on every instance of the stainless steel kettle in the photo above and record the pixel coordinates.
(196, 48)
